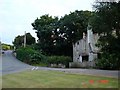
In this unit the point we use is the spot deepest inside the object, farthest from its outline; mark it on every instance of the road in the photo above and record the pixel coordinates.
(11, 65)
(93, 72)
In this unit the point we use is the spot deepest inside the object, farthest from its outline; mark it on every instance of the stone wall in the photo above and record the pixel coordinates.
(85, 64)
(57, 65)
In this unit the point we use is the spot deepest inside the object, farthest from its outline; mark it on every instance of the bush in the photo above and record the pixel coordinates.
(108, 61)
(29, 55)
(59, 60)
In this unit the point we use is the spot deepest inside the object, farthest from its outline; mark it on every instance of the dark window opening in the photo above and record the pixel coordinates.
(85, 58)
(99, 55)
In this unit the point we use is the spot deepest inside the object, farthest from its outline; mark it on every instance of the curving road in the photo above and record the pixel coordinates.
(11, 65)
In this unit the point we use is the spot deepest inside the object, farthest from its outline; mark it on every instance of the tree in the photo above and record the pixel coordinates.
(6, 46)
(45, 27)
(56, 36)
(72, 27)
(19, 40)
(29, 39)
(74, 24)
(106, 22)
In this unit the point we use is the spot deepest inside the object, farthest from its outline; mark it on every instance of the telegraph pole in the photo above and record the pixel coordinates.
(25, 40)
(0, 44)
(0, 62)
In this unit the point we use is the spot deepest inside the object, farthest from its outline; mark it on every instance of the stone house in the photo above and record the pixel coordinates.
(85, 50)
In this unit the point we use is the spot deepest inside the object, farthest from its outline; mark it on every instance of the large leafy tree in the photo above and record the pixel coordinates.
(72, 27)
(19, 40)
(45, 27)
(56, 36)
(106, 22)
(29, 39)
(74, 24)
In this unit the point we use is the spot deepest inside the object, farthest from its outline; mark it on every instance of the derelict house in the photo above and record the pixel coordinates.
(85, 50)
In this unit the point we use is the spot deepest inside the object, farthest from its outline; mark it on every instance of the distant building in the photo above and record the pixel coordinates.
(85, 49)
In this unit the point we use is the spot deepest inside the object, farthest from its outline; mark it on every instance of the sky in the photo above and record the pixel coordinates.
(16, 16)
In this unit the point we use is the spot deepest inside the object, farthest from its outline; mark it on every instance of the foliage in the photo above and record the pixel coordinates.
(6, 46)
(106, 22)
(59, 60)
(29, 55)
(29, 39)
(19, 40)
(41, 64)
(56, 36)
(74, 24)
(108, 61)
(44, 27)
(106, 17)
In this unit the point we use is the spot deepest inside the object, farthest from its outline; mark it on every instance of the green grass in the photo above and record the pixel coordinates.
(0, 82)
(40, 64)
(55, 79)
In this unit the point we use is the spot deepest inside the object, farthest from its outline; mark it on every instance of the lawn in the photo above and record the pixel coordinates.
(55, 79)
(0, 82)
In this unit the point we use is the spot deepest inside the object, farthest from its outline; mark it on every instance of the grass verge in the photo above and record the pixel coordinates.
(40, 64)
(55, 79)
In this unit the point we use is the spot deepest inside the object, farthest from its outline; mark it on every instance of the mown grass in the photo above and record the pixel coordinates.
(40, 64)
(0, 82)
(55, 79)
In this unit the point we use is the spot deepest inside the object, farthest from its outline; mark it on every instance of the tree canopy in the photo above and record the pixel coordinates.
(56, 36)
(6, 46)
(19, 40)
(106, 22)
(74, 24)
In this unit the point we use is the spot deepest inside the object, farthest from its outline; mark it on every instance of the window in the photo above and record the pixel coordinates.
(85, 58)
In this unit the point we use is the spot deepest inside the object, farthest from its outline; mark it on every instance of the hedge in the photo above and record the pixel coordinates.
(29, 55)
(108, 61)
(59, 60)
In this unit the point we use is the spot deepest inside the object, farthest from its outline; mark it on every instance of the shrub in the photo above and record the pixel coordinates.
(59, 60)
(29, 55)
(108, 61)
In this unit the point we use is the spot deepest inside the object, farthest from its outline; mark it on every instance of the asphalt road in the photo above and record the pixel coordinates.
(93, 72)
(11, 65)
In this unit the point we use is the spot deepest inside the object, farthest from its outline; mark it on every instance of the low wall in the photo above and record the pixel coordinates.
(57, 65)
(85, 64)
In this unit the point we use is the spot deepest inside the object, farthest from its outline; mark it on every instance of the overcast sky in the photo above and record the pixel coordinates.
(16, 16)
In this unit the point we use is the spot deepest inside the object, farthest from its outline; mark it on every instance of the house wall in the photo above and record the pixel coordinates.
(81, 48)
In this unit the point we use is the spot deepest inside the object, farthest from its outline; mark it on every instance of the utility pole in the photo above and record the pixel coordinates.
(0, 62)
(0, 44)
(25, 40)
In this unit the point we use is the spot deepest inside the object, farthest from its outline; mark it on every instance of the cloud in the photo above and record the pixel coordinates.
(16, 16)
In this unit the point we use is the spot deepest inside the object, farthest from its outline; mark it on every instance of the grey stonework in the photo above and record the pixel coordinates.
(86, 47)
(85, 64)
